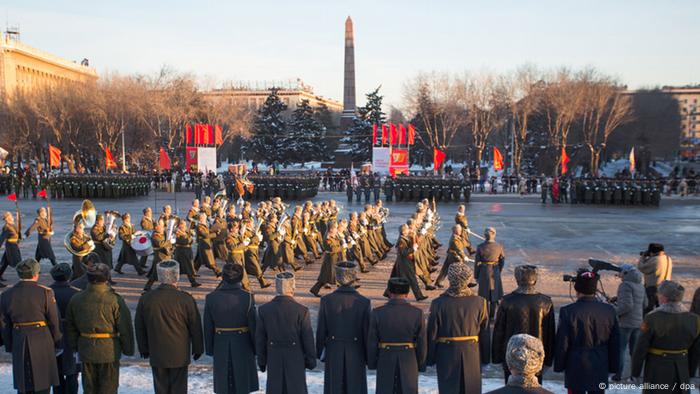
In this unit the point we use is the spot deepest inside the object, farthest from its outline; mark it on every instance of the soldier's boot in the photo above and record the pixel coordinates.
(316, 288)
(263, 283)
(193, 282)
(149, 285)
(118, 268)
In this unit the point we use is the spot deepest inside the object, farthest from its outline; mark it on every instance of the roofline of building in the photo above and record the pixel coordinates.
(8, 44)
(265, 93)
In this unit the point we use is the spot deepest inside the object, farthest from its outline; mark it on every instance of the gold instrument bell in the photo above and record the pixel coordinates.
(87, 215)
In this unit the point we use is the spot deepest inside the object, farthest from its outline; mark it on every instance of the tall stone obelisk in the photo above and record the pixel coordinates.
(349, 109)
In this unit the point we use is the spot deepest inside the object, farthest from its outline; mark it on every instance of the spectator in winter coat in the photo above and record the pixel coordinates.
(656, 267)
(631, 301)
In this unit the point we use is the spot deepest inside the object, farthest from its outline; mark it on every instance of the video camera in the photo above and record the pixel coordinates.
(596, 265)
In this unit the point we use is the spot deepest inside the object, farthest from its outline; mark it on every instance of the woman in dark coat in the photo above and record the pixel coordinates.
(456, 320)
(229, 334)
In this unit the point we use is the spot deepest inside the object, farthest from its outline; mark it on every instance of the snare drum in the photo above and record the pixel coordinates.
(141, 243)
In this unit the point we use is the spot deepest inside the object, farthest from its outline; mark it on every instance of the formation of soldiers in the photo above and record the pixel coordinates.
(602, 191)
(81, 315)
(285, 186)
(407, 188)
(76, 185)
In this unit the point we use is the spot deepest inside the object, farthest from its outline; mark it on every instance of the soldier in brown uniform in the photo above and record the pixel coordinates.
(333, 248)
(219, 227)
(31, 330)
(229, 334)
(162, 250)
(236, 246)
(668, 347)
(183, 252)
(252, 261)
(205, 254)
(44, 233)
(10, 236)
(79, 242)
(488, 264)
(405, 266)
(100, 237)
(455, 252)
(147, 224)
(127, 255)
(461, 219)
(169, 330)
(99, 329)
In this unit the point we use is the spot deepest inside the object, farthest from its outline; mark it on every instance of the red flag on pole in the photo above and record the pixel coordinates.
(42, 194)
(384, 134)
(374, 134)
(411, 134)
(109, 160)
(12, 197)
(188, 134)
(564, 161)
(210, 134)
(633, 162)
(392, 137)
(54, 156)
(438, 158)
(218, 138)
(164, 159)
(497, 159)
(402, 134)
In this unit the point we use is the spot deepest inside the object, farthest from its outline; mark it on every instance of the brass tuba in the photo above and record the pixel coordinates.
(69, 247)
(111, 240)
(87, 214)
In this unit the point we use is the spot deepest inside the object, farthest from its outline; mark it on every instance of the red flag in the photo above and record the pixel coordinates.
(384, 134)
(393, 136)
(374, 134)
(497, 159)
(219, 137)
(210, 134)
(42, 194)
(54, 156)
(411, 134)
(438, 158)
(188, 134)
(164, 159)
(564, 161)
(109, 160)
(12, 197)
(402, 134)
(198, 134)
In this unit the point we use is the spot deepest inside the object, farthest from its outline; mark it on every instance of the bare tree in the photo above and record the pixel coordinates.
(485, 97)
(604, 109)
(437, 100)
(522, 92)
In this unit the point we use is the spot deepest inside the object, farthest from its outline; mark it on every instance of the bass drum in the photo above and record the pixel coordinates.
(141, 243)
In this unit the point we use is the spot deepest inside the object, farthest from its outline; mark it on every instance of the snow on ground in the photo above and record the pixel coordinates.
(136, 379)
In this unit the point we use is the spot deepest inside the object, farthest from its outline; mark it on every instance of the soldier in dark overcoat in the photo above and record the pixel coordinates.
(284, 340)
(457, 251)
(169, 330)
(588, 338)
(229, 334)
(127, 254)
(456, 320)
(341, 334)
(396, 342)
(10, 236)
(205, 252)
(31, 330)
(68, 369)
(162, 250)
(524, 311)
(668, 348)
(183, 252)
(333, 248)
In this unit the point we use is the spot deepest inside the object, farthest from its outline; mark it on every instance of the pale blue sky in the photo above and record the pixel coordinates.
(641, 42)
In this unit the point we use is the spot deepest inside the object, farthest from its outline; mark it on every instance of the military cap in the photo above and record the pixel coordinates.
(346, 272)
(28, 268)
(168, 271)
(98, 273)
(399, 286)
(232, 272)
(526, 275)
(672, 290)
(61, 272)
(524, 355)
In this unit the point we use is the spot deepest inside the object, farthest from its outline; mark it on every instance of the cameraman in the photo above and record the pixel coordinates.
(631, 301)
(656, 267)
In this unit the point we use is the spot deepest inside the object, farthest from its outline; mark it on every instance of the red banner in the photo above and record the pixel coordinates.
(398, 162)
(188, 135)
(109, 159)
(191, 158)
(411, 134)
(393, 135)
(564, 161)
(218, 138)
(384, 134)
(402, 134)
(497, 159)
(374, 134)
(164, 162)
(438, 158)
(54, 156)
